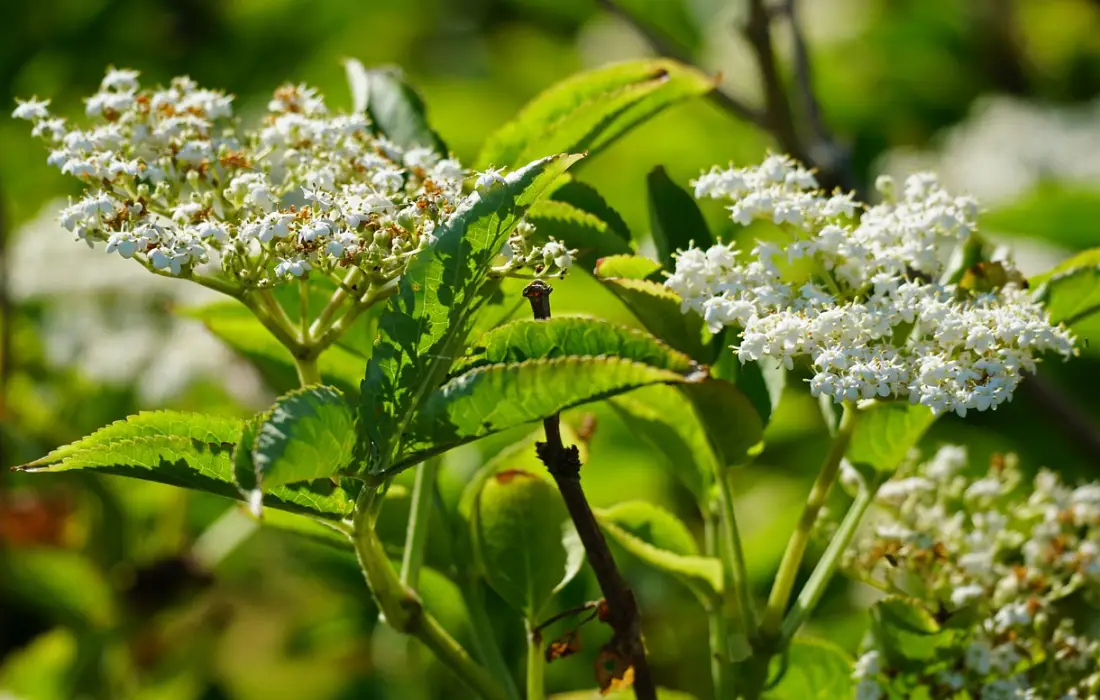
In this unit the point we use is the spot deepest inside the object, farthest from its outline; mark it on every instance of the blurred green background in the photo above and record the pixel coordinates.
(103, 592)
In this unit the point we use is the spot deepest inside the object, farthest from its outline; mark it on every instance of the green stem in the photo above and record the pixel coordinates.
(733, 555)
(716, 617)
(403, 610)
(484, 639)
(334, 303)
(796, 547)
(536, 664)
(283, 331)
(811, 593)
(303, 310)
(308, 372)
(334, 331)
(278, 313)
(420, 513)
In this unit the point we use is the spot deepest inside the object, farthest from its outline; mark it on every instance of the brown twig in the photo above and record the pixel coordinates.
(564, 465)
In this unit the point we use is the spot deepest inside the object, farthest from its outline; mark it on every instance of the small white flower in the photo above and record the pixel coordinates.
(32, 109)
(296, 267)
(488, 179)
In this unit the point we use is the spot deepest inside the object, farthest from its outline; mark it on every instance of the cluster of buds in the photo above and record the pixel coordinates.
(1020, 565)
(871, 301)
(174, 182)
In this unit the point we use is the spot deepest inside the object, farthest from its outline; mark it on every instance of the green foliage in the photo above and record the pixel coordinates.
(43, 669)
(1073, 295)
(885, 433)
(909, 635)
(565, 336)
(64, 583)
(579, 230)
(589, 111)
(660, 540)
(395, 109)
(815, 670)
(309, 434)
(633, 267)
(424, 323)
(584, 197)
(1062, 214)
(674, 218)
(658, 309)
(523, 540)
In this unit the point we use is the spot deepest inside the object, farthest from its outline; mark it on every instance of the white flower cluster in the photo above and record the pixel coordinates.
(173, 182)
(866, 299)
(1021, 568)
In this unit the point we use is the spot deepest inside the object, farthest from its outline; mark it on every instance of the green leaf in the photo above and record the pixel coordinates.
(579, 230)
(816, 669)
(1057, 212)
(620, 694)
(585, 197)
(309, 528)
(309, 434)
(1073, 296)
(589, 111)
(658, 309)
(763, 381)
(1086, 259)
(424, 323)
(520, 525)
(564, 336)
(43, 669)
(159, 447)
(63, 584)
(909, 635)
(493, 398)
(632, 267)
(234, 325)
(885, 433)
(395, 109)
(660, 540)
(674, 218)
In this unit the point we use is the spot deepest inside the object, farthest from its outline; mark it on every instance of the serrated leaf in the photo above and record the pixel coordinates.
(309, 434)
(425, 322)
(658, 309)
(1073, 296)
(493, 398)
(318, 531)
(519, 527)
(674, 218)
(178, 460)
(395, 109)
(578, 230)
(909, 635)
(234, 325)
(885, 433)
(660, 540)
(816, 670)
(564, 336)
(633, 267)
(589, 111)
(585, 197)
(1086, 259)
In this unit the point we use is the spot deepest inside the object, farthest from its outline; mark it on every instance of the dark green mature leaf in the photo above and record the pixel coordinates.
(309, 434)
(585, 197)
(493, 398)
(908, 634)
(564, 336)
(234, 324)
(816, 670)
(632, 267)
(660, 540)
(1072, 296)
(520, 526)
(589, 111)
(700, 428)
(1059, 213)
(658, 309)
(425, 322)
(186, 450)
(579, 230)
(885, 433)
(674, 218)
(395, 109)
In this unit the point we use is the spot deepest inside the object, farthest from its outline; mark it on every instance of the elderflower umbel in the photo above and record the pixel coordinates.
(173, 181)
(867, 300)
(1007, 563)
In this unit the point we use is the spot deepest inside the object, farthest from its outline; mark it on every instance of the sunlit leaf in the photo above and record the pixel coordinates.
(395, 109)
(658, 309)
(816, 670)
(578, 230)
(633, 267)
(885, 432)
(309, 434)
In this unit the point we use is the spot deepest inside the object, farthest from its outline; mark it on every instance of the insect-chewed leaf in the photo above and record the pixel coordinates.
(589, 111)
(633, 267)
(565, 336)
(187, 450)
(493, 398)
(659, 539)
(520, 534)
(425, 322)
(309, 434)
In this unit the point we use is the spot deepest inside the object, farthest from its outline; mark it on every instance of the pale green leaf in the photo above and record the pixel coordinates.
(633, 267)
(816, 670)
(885, 432)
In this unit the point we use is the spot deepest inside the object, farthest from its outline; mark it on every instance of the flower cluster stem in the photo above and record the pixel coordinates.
(536, 664)
(416, 534)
